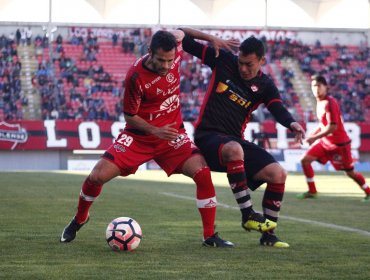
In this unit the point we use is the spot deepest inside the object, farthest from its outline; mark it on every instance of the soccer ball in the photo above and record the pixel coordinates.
(123, 234)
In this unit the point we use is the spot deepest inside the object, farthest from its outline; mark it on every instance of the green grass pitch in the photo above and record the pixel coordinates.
(329, 236)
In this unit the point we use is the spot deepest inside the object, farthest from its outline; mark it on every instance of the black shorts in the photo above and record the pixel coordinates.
(255, 157)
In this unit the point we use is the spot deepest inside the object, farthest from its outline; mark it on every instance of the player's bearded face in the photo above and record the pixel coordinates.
(161, 61)
(249, 65)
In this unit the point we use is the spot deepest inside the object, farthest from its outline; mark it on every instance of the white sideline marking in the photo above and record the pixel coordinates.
(327, 225)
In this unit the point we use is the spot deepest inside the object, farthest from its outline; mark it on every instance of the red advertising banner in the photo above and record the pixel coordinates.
(90, 135)
(58, 135)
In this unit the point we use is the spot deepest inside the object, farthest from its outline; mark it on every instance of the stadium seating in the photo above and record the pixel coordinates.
(82, 86)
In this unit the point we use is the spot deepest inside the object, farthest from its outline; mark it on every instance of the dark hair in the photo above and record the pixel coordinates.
(252, 45)
(319, 79)
(163, 40)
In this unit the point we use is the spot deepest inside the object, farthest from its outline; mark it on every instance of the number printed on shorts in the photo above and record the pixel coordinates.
(125, 140)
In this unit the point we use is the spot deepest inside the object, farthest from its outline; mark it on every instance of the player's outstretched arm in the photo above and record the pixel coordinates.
(217, 43)
(321, 132)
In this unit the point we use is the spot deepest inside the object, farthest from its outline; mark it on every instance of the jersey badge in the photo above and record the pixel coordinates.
(254, 88)
(170, 77)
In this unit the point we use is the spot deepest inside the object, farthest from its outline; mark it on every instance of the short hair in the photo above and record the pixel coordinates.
(252, 45)
(163, 40)
(319, 79)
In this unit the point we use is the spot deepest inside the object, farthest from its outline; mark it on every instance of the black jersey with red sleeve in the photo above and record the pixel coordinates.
(230, 100)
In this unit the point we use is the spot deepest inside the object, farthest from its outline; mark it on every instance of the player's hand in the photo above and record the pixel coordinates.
(167, 132)
(310, 139)
(299, 132)
(230, 45)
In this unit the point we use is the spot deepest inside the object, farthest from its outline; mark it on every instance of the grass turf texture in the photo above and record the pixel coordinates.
(35, 207)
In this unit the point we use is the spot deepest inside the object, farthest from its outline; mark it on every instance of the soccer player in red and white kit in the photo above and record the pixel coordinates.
(154, 131)
(334, 145)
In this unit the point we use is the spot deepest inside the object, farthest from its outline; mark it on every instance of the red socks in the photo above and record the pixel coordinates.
(206, 200)
(272, 200)
(360, 180)
(88, 194)
(309, 173)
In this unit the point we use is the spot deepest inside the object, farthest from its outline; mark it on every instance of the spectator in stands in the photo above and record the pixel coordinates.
(334, 145)
(23, 37)
(11, 38)
(28, 32)
(18, 36)
(114, 39)
(116, 90)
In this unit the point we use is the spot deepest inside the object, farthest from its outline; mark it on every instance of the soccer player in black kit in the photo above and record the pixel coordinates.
(237, 87)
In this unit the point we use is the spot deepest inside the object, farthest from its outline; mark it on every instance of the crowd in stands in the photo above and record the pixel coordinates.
(74, 81)
(346, 68)
(70, 86)
(11, 96)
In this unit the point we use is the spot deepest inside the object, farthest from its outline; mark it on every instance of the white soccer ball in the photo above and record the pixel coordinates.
(123, 234)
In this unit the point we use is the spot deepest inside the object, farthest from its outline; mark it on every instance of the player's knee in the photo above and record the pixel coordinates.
(305, 161)
(95, 179)
(232, 151)
(280, 175)
(277, 174)
(350, 173)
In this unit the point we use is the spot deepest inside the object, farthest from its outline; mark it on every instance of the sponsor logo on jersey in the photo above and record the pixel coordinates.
(221, 87)
(170, 91)
(175, 62)
(239, 100)
(234, 93)
(179, 141)
(119, 148)
(148, 85)
(13, 134)
(171, 104)
(159, 91)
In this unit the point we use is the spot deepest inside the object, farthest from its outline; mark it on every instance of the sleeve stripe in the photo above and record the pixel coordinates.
(204, 53)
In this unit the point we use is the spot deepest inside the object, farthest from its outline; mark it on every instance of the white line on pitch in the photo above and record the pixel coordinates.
(327, 225)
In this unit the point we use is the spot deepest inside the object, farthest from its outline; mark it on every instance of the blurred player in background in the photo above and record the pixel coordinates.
(237, 87)
(154, 130)
(334, 145)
